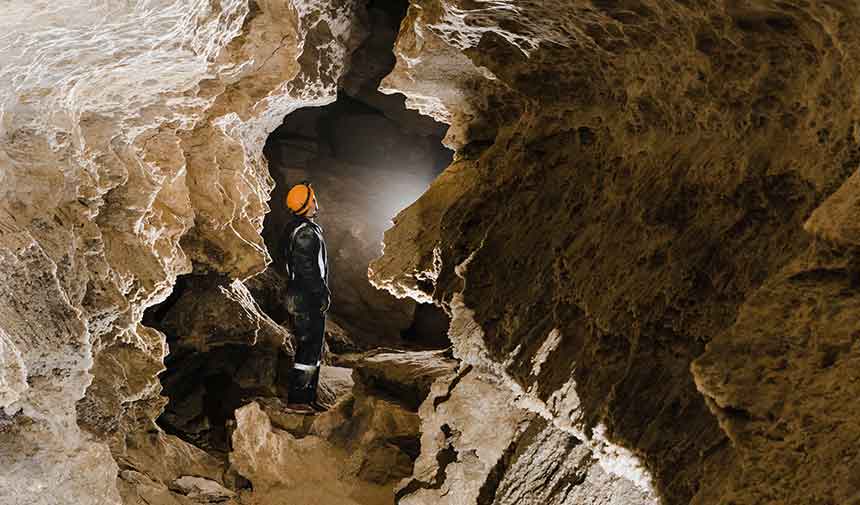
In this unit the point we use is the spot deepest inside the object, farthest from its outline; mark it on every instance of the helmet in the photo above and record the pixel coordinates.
(299, 198)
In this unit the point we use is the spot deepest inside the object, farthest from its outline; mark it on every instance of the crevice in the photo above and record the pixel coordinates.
(447, 455)
(488, 490)
(368, 157)
(439, 400)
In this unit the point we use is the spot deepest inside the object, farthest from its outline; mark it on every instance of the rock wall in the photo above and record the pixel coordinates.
(131, 139)
(649, 243)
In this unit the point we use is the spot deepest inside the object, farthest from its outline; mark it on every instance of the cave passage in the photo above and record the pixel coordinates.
(368, 158)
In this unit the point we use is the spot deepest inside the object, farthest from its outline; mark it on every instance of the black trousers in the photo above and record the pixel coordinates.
(309, 328)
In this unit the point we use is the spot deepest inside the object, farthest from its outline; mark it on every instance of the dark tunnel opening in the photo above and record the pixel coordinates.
(368, 157)
(213, 367)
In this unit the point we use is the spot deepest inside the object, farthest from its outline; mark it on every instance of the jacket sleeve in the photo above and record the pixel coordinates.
(306, 263)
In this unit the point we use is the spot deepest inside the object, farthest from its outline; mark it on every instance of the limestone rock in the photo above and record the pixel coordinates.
(631, 218)
(202, 490)
(785, 410)
(371, 436)
(834, 220)
(138, 489)
(384, 438)
(405, 376)
(338, 339)
(129, 148)
(546, 465)
(164, 458)
(337, 380)
(647, 245)
(287, 469)
(416, 237)
(439, 80)
(213, 311)
(510, 457)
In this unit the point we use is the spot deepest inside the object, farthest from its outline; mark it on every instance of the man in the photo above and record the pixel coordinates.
(308, 296)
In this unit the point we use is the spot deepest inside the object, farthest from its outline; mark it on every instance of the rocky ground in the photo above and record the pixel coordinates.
(354, 453)
(646, 245)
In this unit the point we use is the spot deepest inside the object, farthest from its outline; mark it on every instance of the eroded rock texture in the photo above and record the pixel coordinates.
(647, 244)
(131, 139)
(355, 453)
(364, 169)
(642, 186)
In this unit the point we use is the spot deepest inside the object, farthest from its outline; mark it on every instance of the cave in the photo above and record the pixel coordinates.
(368, 157)
(583, 252)
(365, 168)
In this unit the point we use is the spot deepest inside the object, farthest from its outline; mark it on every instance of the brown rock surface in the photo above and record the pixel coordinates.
(131, 139)
(648, 246)
(477, 446)
(360, 449)
(645, 206)
(283, 468)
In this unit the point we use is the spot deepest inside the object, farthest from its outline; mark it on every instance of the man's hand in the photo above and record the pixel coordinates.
(326, 304)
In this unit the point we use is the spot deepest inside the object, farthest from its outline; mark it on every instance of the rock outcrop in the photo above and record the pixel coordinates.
(131, 139)
(478, 447)
(647, 245)
(355, 453)
(666, 185)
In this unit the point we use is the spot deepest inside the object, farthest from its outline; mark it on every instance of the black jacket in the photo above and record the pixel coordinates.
(307, 261)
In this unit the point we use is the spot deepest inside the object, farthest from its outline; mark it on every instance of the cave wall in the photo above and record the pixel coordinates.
(647, 240)
(131, 139)
(651, 242)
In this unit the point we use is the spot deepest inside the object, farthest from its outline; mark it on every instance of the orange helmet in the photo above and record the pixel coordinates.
(300, 197)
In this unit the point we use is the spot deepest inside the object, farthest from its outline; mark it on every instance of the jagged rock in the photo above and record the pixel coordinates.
(337, 339)
(268, 289)
(374, 431)
(373, 60)
(512, 456)
(417, 234)
(213, 311)
(440, 81)
(783, 411)
(384, 439)
(138, 489)
(631, 216)
(457, 454)
(164, 458)
(283, 468)
(366, 170)
(546, 465)
(404, 376)
(131, 142)
(647, 244)
(202, 490)
(337, 380)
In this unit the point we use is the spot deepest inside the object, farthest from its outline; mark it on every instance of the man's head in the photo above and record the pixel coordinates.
(302, 200)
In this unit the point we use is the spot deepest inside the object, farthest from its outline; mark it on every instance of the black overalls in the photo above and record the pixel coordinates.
(308, 298)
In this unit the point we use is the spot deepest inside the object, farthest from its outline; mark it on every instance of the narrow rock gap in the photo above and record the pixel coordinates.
(368, 157)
